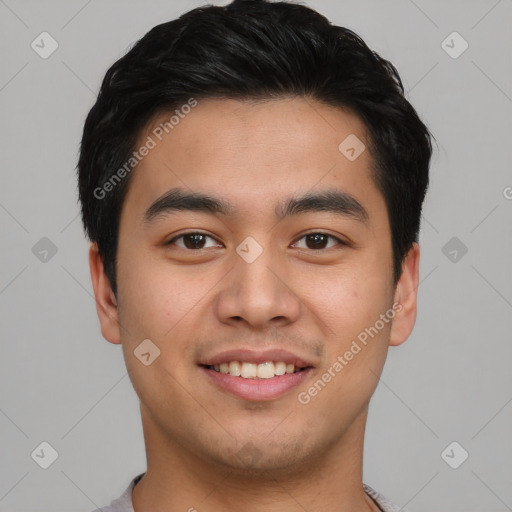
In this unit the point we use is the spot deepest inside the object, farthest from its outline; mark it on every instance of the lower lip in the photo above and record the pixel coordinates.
(257, 389)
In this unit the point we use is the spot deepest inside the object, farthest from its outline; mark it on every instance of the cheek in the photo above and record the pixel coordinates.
(356, 346)
(158, 296)
(157, 304)
(348, 302)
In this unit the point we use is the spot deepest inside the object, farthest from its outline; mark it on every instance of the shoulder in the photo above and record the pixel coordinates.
(382, 501)
(124, 502)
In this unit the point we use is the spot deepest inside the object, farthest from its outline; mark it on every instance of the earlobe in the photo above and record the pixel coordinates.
(106, 303)
(405, 298)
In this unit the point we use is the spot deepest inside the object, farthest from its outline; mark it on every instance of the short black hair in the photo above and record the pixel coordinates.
(252, 50)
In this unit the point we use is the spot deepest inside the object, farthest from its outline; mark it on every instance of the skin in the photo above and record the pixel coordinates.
(193, 304)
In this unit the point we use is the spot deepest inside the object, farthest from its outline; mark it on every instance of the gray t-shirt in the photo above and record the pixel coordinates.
(124, 502)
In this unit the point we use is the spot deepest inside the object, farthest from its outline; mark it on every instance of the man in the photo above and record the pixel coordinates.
(252, 180)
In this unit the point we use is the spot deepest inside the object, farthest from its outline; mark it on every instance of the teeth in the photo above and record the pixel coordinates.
(248, 371)
(235, 368)
(265, 370)
(280, 368)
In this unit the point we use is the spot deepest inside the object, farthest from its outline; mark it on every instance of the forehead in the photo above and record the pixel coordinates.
(252, 153)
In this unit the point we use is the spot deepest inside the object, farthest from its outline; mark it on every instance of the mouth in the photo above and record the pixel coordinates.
(256, 376)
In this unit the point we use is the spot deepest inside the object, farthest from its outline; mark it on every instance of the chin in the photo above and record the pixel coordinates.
(258, 458)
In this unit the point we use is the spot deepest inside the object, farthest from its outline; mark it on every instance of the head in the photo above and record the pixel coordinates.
(243, 112)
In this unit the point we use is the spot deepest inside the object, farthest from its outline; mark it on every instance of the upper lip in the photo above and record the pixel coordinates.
(257, 357)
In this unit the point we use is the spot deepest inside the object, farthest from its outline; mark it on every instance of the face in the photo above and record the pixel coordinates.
(255, 278)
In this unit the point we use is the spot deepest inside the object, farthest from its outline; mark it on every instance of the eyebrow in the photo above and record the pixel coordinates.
(333, 201)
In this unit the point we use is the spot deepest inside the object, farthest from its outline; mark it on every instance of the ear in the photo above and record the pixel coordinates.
(106, 304)
(406, 298)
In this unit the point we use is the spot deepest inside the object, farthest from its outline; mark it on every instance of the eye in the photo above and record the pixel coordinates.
(197, 241)
(193, 240)
(318, 240)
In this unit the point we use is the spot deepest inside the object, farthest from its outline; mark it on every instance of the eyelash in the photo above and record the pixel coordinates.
(340, 242)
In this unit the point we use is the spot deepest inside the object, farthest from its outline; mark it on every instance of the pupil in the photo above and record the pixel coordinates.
(317, 238)
(195, 240)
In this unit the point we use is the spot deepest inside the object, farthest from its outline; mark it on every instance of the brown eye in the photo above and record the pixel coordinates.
(319, 240)
(191, 241)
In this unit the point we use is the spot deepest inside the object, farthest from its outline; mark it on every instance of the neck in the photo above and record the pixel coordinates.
(178, 480)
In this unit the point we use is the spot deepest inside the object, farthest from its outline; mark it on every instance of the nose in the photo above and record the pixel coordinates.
(258, 293)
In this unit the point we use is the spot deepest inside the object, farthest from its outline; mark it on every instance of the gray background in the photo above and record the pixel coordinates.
(62, 383)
